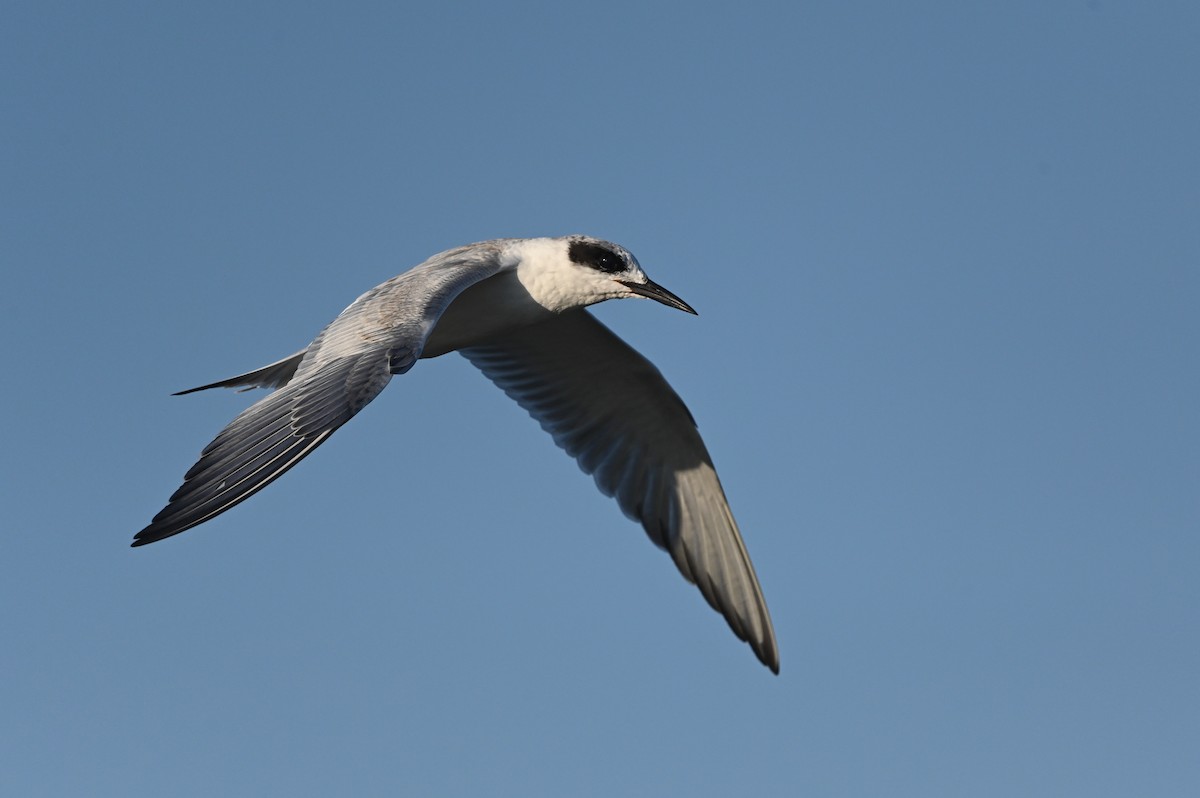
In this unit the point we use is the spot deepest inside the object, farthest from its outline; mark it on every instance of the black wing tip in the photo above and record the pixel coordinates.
(154, 532)
(770, 658)
(149, 535)
(765, 649)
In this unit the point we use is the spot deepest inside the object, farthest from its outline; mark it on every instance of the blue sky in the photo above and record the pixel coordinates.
(946, 261)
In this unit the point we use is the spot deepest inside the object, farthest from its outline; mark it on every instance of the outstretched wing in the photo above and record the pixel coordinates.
(267, 439)
(380, 334)
(611, 410)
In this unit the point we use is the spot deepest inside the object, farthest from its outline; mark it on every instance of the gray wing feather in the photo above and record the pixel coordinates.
(321, 388)
(266, 440)
(611, 410)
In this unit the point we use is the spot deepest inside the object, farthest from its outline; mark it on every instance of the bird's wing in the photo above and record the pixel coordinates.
(611, 410)
(348, 364)
(267, 439)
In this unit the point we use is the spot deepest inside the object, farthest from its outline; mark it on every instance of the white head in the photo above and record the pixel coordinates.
(575, 271)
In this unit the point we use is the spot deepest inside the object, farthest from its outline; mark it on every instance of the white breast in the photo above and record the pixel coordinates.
(489, 308)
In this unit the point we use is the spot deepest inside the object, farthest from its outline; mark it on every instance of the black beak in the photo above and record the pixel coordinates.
(652, 290)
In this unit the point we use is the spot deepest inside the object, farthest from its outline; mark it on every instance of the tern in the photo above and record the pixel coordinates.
(515, 308)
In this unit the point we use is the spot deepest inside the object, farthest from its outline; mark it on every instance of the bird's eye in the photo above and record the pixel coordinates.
(596, 257)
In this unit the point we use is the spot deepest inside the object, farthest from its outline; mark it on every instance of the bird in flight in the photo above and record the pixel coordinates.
(516, 309)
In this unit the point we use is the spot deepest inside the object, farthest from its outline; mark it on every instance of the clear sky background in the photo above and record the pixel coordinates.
(947, 263)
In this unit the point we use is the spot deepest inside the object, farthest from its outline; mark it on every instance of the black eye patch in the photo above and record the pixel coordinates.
(596, 257)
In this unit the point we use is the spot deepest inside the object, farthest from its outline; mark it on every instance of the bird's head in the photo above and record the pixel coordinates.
(575, 271)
